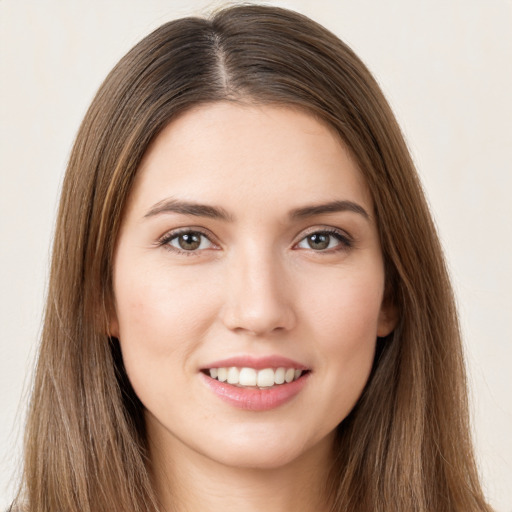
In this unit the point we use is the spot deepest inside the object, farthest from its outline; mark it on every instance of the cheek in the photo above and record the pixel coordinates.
(344, 322)
(160, 316)
(348, 343)
(158, 296)
(162, 320)
(346, 308)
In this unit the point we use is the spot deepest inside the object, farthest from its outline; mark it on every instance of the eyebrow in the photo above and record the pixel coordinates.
(331, 207)
(188, 208)
(216, 212)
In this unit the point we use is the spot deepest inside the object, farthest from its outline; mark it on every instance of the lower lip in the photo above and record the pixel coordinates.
(256, 399)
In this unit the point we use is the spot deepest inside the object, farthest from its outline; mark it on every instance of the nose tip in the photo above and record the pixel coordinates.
(257, 321)
(258, 302)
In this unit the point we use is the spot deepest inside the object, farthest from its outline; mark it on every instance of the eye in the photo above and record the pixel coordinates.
(325, 241)
(187, 241)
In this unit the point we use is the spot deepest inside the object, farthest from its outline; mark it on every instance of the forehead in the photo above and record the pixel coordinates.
(248, 155)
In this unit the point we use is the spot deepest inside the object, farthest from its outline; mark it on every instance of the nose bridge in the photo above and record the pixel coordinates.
(258, 299)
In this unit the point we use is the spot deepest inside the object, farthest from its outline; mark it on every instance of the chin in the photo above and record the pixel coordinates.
(268, 452)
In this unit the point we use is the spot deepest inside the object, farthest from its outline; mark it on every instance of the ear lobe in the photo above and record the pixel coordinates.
(388, 318)
(113, 326)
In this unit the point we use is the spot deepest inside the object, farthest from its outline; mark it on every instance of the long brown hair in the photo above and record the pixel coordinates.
(406, 445)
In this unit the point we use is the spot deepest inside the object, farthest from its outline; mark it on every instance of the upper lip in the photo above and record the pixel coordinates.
(258, 363)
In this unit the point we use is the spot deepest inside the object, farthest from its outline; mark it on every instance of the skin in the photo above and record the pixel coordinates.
(255, 286)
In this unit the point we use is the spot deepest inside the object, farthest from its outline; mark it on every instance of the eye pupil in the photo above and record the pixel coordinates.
(319, 241)
(189, 241)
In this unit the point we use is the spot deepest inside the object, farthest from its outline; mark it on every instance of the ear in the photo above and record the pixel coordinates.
(112, 323)
(113, 327)
(388, 318)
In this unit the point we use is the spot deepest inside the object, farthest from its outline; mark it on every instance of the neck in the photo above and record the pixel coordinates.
(188, 481)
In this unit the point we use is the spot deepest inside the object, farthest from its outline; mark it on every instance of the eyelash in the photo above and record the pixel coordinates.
(168, 237)
(345, 242)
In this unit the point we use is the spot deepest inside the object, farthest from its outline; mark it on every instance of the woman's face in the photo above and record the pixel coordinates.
(248, 251)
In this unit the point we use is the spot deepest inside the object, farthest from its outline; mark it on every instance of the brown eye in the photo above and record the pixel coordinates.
(319, 241)
(325, 241)
(189, 241)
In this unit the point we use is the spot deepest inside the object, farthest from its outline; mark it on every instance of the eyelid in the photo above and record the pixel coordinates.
(164, 240)
(345, 239)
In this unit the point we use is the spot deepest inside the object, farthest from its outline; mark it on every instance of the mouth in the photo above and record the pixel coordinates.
(256, 383)
(252, 378)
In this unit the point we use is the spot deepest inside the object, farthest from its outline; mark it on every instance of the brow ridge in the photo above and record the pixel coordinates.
(215, 212)
(188, 208)
(330, 207)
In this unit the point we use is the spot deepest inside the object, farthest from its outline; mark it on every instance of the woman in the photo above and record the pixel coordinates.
(248, 303)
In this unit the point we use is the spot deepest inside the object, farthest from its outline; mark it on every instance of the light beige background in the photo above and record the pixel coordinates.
(446, 67)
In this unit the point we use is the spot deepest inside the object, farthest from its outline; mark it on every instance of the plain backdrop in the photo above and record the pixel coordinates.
(446, 68)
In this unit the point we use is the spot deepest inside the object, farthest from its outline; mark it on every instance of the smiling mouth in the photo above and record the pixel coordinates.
(246, 377)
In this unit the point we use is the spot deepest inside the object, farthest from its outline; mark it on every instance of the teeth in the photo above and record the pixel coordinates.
(222, 374)
(250, 377)
(266, 378)
(279, 376)
(233, 375)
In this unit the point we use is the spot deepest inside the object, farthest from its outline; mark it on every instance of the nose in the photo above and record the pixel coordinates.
(258, 296)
